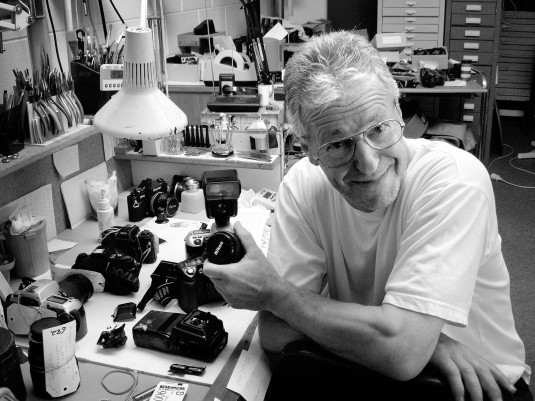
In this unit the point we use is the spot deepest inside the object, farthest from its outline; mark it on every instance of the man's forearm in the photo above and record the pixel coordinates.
(393, 341)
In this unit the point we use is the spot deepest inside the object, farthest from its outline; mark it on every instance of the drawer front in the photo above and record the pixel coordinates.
(473, 20)
(483, 46)
(473, 7)
(474, 57)
(411, 3)
(418, 37)
(414, 12)
(410, 28)
(458, 32)
(471, 104)
(411, 20)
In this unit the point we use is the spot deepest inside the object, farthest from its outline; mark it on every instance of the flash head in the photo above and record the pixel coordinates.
(221, 192)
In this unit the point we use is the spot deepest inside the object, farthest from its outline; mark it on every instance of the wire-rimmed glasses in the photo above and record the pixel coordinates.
(380, 136)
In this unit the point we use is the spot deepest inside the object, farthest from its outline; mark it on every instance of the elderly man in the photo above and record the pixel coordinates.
(401, 234)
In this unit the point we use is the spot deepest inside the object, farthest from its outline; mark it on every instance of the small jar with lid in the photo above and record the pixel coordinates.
(192, 199)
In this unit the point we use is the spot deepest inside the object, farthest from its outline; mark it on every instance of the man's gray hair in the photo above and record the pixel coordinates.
(323, 69)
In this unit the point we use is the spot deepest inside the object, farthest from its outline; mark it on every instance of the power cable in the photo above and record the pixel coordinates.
(54, 34)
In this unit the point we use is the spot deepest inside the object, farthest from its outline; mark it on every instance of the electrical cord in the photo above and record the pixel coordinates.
(54, 34)
(116, 11)
(497, 177)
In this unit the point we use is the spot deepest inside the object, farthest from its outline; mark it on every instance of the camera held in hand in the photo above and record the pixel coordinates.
(221, 192)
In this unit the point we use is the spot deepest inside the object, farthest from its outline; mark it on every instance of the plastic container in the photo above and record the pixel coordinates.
(192, 199)
(95, 185)
(30, 250)
(7, 262)
(104, 213)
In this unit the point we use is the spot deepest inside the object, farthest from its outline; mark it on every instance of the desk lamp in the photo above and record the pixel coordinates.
(140, 111)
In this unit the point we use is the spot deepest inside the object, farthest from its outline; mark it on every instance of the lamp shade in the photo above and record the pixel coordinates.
(139, 110)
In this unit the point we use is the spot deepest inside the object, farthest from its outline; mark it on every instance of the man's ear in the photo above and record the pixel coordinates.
(305, 148)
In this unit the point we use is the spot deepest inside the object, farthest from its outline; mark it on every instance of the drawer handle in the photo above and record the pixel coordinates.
(473, 21)
(469, 106)
(410, 3)
(410, 36)
(410, 44)
(471, 57)
(468, 118)
(410, 28)
(471, 45)
(473, 7)
(472, 33)
(410, 19)
(410, 12)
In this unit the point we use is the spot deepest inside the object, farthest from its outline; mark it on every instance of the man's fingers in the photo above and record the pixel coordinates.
(471, 381)
(245, 237)
(502, 380)
(213, 271)
(455, 382)
(489, 385)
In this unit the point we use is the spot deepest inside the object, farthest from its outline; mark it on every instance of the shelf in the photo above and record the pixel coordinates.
(205, 159)
(32, 153)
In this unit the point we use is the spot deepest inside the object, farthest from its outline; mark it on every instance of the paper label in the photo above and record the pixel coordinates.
(61, 370)
(169, 391)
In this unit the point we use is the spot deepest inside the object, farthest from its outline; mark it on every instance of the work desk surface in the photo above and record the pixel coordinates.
(150, 366)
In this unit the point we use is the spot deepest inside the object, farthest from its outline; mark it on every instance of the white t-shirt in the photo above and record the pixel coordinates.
(434, 250)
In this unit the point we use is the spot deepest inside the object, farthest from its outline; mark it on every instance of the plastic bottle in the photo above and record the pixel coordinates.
(104, 213)
(192, 199)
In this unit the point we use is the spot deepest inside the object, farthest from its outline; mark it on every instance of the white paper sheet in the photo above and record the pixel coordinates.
(67, 161)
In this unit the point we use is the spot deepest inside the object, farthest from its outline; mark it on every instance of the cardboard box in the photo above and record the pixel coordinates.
(389, 41)
(439, 61)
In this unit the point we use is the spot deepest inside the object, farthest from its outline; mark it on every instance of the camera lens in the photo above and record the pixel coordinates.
(162, 201)
(224, 247)
(77, 286)
(10, 373)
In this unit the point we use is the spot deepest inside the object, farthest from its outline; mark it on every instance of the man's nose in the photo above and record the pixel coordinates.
(365, 157)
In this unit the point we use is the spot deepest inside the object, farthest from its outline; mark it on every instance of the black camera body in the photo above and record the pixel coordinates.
(183, 281)
(198, 334)
(151, 198)
(143, 246)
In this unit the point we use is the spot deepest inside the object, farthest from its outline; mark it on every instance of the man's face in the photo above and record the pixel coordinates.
(372, 178)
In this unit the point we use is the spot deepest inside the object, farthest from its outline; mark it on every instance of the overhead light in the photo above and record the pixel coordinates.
(140, 110)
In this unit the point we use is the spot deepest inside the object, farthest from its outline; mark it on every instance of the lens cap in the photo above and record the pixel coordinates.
(224, 247)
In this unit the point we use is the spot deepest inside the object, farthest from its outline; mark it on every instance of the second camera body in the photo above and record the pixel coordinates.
(151, 198)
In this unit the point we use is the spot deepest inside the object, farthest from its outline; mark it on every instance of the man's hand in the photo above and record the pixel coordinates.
(246, 284)
(464, 368)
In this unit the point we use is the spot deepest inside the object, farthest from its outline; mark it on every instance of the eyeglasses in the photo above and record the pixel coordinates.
(381, 136)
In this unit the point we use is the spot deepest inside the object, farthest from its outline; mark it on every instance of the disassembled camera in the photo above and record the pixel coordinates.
(44, 298)
(198, 334)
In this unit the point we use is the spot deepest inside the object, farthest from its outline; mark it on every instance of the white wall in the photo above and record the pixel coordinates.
(181, 16)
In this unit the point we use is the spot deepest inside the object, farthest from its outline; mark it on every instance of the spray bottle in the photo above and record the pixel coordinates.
(105, 215)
